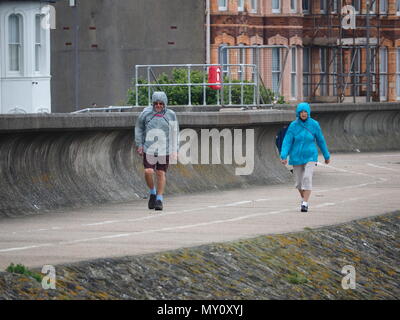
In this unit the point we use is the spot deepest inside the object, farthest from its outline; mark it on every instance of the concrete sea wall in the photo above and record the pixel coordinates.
(57, 161)
(62, 161)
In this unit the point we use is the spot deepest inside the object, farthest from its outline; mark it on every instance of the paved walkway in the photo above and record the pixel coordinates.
(353, 186)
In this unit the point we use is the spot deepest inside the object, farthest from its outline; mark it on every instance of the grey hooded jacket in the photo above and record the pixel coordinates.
(157, 133)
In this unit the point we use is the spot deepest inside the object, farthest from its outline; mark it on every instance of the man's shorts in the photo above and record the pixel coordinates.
(155, 162)
(304, 175)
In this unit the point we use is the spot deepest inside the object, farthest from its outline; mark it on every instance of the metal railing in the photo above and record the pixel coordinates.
(104, 109)
(238, 75)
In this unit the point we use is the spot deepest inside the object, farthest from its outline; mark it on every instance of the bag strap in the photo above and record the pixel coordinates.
(309, 131)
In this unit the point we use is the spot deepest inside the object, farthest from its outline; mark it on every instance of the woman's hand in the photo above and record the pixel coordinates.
(284, 162)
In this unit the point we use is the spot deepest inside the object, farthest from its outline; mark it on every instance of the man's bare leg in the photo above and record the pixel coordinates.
(148, 176)
(161, 180)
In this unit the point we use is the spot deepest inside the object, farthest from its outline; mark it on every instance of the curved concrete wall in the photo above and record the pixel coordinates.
(363, 127)
(63, 161)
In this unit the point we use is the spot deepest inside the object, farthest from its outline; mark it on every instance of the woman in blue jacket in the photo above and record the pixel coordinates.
(300, 144)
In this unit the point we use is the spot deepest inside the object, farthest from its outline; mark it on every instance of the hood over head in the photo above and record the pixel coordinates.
(159, 96)
(303, 106)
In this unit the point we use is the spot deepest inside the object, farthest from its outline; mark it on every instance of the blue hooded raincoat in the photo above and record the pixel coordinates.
(301, 139)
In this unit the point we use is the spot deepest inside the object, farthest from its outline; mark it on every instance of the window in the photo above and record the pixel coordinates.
(323, 5)
(383, 6)
(372, 60)
(306, 6)
(398, 7)
(383, 73)
(293, 6)
(356, 5)
(306, 72)
(293, 74)
(355, 70)
(276, 6)
(254, 6)
(224, 58)
(398, 74)
(276, 69)
(242, 60)
(335, 71)
(254, 60)
(372, 6)
(222, 5)
(240, 5)
(334, 7)
(38, 41)
(14, 42)
(324, 67)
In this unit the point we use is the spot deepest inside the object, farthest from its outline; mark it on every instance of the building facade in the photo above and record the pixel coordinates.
(337, 50)
(98, 43)
(24, 57)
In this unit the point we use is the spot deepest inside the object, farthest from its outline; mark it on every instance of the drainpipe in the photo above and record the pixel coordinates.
(208, 58)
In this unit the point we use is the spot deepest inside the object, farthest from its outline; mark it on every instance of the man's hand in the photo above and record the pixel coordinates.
(327, 161)
(140, 150)
(284, 162)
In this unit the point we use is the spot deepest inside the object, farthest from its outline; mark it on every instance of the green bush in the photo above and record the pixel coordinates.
(178, 95)
(21, 269)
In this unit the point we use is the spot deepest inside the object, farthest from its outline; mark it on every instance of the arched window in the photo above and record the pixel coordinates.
(14, 42)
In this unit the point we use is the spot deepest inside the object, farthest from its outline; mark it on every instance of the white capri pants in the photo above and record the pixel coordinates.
(304, 174)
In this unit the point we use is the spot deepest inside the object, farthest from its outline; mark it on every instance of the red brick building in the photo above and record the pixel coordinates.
(326, 61)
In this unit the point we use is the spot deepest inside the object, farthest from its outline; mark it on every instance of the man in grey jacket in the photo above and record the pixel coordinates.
(157, 138)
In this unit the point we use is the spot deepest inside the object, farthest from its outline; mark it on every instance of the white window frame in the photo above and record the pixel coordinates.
(293, 73)
(398, 73)
(242, 60)
(254, 6)
(383, 76)
(293, 6)
(278, 71)
(222, 5)
(398, 8)
(240, 5)
(276, 10)
(307, 72)
(19, 44)
(225, 58)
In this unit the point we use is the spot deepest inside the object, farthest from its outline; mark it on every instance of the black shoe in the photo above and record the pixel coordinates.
(304, 208)
(152, 201)
(158, 205)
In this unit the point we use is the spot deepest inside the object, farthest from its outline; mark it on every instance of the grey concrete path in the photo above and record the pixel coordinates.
(353, 186)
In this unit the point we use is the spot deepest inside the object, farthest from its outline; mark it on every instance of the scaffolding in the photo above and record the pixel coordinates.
(347, 67)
